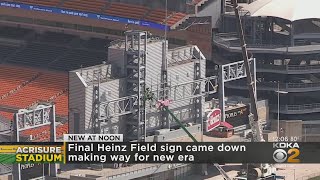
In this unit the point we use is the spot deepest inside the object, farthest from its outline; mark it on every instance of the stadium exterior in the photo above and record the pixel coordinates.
(286, 62)
(114, 85)
(58, 36)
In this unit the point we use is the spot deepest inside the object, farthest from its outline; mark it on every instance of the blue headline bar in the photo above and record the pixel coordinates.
(84, 14)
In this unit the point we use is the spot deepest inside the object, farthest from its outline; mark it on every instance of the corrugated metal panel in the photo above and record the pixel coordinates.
(116, 57)
(76, 100)
(180, 54)
(108, 91)
(180, 74)
(88, 109)
(114, 89)
(153, 63)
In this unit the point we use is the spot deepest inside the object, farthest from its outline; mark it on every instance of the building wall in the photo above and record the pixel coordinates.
(108, 91)
(263, 110)
(213, 10)
(76, 101)
(291, 129)
(153, 63)
(116, 57)
(178, 73)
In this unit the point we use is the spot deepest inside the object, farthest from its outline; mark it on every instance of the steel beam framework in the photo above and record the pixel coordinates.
(135, 52)
(231, 72)
(42, 115)
(134, 104)
(185, 91)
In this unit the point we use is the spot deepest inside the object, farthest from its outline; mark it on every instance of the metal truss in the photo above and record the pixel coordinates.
(230, 72)
(135, 50)
(188, 90)
(180, 92)
(28, 119)
(234, 71)
(118, 107)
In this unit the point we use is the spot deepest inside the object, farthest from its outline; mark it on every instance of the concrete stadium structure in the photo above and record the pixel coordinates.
(287, 54)
(59, 36)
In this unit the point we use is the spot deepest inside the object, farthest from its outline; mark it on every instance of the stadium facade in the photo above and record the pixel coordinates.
(287, 56)
(42, 40)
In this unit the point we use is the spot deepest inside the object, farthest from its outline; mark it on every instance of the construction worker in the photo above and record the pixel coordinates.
(148, 95)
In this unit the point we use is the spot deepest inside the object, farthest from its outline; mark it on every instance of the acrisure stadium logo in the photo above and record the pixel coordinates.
(280, 155)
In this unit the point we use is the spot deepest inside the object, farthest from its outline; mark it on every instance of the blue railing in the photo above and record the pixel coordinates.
(83, 14)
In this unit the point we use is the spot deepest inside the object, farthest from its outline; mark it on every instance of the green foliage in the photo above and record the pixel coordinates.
(315, 178)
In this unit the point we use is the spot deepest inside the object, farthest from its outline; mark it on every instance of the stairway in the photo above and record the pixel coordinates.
(180, 22)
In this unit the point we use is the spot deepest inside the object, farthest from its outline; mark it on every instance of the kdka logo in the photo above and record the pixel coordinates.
(286, 152)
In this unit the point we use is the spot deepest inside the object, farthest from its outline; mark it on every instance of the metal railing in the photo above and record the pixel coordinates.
(302, 107)
(288, 68)
(274, 85)
(302, 67)
(113, 173)
(222, 39)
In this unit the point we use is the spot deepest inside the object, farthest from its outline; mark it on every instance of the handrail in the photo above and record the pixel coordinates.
(288, 67)
(219, 39)
(301, 107)
(281, 85)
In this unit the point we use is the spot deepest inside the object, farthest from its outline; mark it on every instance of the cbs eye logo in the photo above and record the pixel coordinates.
(280, 155)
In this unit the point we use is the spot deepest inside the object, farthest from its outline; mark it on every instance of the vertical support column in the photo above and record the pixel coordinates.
(223, 6)
(96, 109)
(254, 67)
(142, 87)
(292, 34)
(136, 50)
(272, 29)
(164, 85)
(16, 169)
(53, 168)
(221, 93)
(197, 86)
(254, 28)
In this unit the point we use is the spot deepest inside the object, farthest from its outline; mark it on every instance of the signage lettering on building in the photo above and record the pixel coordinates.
(237, 117)
(239, 112)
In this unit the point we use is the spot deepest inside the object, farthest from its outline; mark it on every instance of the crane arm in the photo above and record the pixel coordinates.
(253, 117)
(266, 169)
(222, 172)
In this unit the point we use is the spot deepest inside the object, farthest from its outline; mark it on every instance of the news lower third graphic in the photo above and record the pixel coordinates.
(27, 153)
(85, 148)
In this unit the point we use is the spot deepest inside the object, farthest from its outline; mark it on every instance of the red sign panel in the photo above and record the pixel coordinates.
(214, 119)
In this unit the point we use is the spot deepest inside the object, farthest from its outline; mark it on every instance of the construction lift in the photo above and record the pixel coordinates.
(252, 171)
